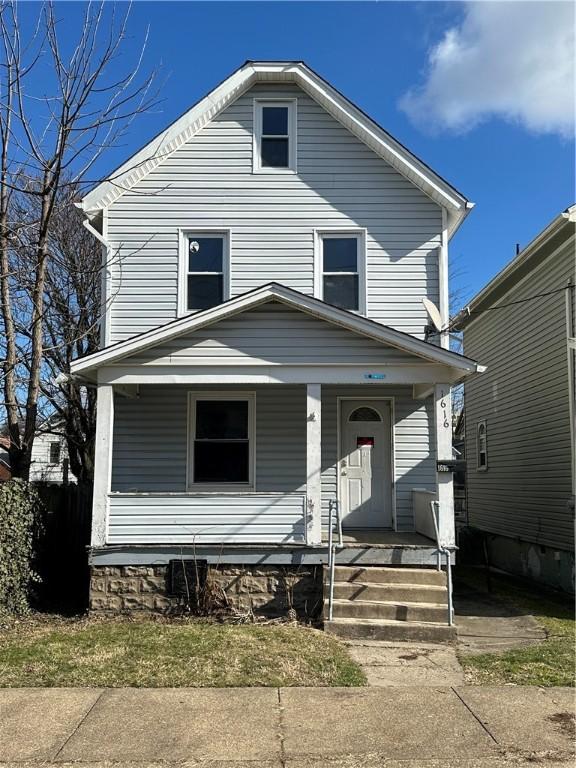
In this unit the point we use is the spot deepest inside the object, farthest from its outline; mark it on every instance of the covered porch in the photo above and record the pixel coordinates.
(239, 428)
(299, 449)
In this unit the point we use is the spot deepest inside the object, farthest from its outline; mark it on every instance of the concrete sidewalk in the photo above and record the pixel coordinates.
(468, 727)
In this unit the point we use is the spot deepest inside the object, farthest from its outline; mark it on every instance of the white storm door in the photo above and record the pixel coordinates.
(365, 464)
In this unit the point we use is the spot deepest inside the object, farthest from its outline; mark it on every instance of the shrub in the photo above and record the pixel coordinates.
(20, 528)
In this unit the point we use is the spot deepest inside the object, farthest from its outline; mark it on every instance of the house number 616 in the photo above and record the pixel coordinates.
(443, 406)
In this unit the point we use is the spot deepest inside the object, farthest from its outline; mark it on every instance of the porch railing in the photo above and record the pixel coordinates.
(446, 551)
(333, 519)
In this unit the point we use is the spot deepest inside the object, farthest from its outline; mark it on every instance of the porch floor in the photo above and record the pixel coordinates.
(382, 538)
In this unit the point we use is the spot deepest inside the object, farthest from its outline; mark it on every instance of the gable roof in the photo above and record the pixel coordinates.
(276, 292)
(343, 110)
(547, 242)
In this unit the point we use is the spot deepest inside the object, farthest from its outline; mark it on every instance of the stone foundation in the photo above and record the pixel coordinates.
(270, 591)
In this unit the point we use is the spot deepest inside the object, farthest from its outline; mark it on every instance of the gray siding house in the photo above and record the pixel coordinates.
(520, 413)
(265, 367)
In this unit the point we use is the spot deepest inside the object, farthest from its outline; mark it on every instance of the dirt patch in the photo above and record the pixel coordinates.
(565, 722)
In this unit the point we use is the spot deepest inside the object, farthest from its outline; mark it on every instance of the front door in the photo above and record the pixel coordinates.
(365, 464)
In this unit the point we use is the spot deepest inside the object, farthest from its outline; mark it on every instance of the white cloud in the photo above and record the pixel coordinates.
(513, 60)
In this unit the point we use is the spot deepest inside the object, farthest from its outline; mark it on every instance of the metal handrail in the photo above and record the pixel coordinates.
(447, 552)
(333, 506)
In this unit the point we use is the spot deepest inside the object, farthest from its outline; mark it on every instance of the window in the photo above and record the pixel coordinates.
(364, 414)
(275, 136)
(54, 453)
(222, 439)
(481, 447)
(204, 270)
(341, 265)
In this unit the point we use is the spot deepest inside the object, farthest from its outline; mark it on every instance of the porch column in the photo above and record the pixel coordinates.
(444, 480)
(313, 463)
(102, 462)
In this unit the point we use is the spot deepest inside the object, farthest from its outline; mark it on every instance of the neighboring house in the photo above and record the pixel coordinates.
(264, 352)
(520, 413)
(49, 460)
(459, 477)
(5, 472)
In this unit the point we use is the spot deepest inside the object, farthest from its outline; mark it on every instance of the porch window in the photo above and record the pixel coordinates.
(481, 446)
(341, 260)
(222, 439)
(274, 136)
(204, 270)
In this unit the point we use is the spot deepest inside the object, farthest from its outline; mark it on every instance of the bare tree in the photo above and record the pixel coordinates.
(71, 321)
(48, 144)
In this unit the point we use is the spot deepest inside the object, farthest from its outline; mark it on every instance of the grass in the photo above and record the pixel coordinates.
(549, 663)
(51, 651)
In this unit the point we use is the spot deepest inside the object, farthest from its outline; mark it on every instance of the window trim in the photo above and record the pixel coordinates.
(360, 234)
(481, 467)
(51, 444)
(292, 105)
(250, 398)
(183, 234)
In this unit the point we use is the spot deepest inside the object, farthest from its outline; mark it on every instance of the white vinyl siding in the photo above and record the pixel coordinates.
(233, 519)
(273, 333)
(208, 183)
(523, 395)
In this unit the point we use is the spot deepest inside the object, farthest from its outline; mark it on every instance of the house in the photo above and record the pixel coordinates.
(264, 367)
(520, 413)
(5, 471)
(49, 461)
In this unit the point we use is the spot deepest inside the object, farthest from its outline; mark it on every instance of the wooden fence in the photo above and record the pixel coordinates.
(63, 551)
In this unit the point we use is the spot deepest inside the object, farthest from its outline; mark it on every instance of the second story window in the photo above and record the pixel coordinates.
(341, 268)
(274, 136)
(204, 270)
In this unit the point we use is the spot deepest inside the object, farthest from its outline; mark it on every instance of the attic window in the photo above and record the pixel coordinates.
(274, 136)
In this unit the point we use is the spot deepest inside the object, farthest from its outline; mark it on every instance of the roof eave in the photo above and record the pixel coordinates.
(483, 297)
(350, 321)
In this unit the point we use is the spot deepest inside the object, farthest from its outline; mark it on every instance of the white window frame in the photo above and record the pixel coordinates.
(250, 398)
(481, 467)
(183, 234)
(50, 446)
(292, 105)
(360, 235)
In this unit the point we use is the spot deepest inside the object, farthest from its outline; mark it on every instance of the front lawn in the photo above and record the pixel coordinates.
(50, 651)
(549, 663)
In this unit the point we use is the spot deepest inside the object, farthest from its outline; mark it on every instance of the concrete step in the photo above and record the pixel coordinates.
(400, 593)
(377, 575)
(361, 609)
(397, 631)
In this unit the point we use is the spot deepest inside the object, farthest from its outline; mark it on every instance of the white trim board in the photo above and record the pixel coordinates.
(295, 299)
(183, 234)
(250, 398)
(343, 110)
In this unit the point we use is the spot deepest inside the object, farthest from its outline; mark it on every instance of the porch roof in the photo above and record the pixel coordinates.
(274, 292)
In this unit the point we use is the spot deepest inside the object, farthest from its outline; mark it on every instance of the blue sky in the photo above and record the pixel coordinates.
(519, 173)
